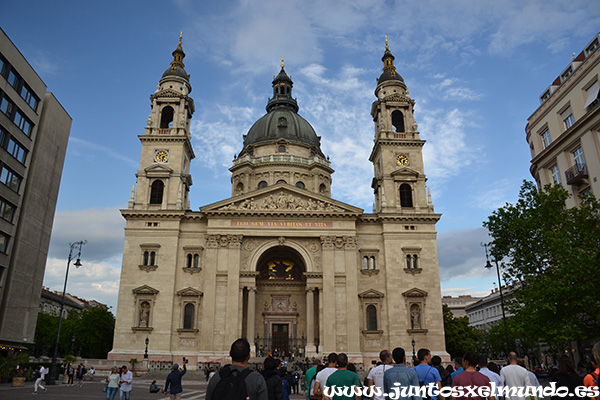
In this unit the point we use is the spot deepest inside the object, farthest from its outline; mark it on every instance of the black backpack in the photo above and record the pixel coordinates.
(232, 385)
(445, 375)
(422, 384)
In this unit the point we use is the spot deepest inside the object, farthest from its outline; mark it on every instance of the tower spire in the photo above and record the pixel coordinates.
(178, 55)
(389, 69)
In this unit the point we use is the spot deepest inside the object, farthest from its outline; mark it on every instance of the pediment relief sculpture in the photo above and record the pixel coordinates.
(281, 202)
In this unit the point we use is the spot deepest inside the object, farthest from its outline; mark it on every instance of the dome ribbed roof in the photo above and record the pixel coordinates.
(282, 124)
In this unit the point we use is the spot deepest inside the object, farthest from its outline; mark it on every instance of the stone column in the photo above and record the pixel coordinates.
(251, 317)
(310, 322)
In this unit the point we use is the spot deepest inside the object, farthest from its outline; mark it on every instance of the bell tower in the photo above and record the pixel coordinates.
(397, 157)
(163, 178)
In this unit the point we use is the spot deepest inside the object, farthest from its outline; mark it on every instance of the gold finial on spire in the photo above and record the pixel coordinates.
(282, 65)
(386, 43)
(180, 36)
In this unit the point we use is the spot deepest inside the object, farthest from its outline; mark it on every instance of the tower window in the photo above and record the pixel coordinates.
(149, 258)
(156, 192)
(166, 117)
(189, 261)
(262, 184)
(322, 189)
(300, 185)
(406, 195)
(398, 121)
(239, 187)
(281, 148)
(188, 316)
(371, 318)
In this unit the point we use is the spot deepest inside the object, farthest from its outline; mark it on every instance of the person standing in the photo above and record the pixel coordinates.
(513, 375)
(343, 378)
(322, 376)
(125, 383)
(309, 375)
(401, 375)
(70, 374)
(471, 378)
(41, 375)
(112, 383)
(255, 386)
(81, 371)
(492, 376)
(375, 376)
(426, 373)
(566, 377)
(457, 367)
(174, 381)
(591, 378)
(272, 379)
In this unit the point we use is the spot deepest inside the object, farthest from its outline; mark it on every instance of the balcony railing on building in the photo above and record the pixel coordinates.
(576, 174)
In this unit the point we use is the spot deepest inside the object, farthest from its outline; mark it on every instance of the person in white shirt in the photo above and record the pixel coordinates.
(514, 375)
(322, 376)
(125, 383)
(483, 368)
(375, 377)
(40, 378)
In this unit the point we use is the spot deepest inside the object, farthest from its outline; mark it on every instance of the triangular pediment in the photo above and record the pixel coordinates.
(414, 292)
(371, 294)
(145, 289)
(158, 169)
(168, 93)
(282, 198)
(405, 172)
(189, 292)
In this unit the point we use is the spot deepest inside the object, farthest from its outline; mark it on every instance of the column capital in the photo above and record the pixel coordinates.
(310, 289)
(251, 288)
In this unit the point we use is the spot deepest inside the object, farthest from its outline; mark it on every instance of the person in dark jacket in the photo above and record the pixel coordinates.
(273, 379)
(174, 381)
(567, 377)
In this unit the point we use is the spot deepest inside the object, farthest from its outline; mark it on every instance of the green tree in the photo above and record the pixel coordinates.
(550, 255)
(94, 332)
(460, 336)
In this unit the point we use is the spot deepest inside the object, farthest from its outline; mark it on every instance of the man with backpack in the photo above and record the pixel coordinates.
(426, 373)
(235, 381)
(436, 362)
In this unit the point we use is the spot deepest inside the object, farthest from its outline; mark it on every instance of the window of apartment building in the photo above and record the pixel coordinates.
(592, 47)
(592, 93)
(7, 210)
(10, 178)
(567, 73)
(546, 139)
(4, 238)
(16, 150)
(555, 174)
(14, 114)
(2, 65)
(578, 157)
(545, 96)
(29, 97)
(18, 83)
(567, 117)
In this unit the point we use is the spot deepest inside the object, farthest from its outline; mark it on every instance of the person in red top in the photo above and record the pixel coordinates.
(470, 378)
(589, 379)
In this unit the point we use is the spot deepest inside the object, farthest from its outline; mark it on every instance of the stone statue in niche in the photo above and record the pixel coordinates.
(144, 315)
(415, 316)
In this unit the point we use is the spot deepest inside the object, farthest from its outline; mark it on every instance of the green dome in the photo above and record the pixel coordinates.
(282, 123)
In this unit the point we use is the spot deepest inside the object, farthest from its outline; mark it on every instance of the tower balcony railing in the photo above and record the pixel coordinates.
(281, 158)
(576, 174)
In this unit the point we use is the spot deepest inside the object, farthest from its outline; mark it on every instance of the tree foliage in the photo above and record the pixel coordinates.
(551, 257)
(460, 336)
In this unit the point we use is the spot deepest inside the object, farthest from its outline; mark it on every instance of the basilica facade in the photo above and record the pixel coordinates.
(280, 262)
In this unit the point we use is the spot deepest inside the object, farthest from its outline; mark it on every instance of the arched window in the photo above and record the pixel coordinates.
(322, 188)
(408, 261)
(239, 187)
(371, 262)
(406, 195)
(188, 316)
(365, 262)
(146, 255)
(281, 148)
(281, 181)
(152, 258)
(156, 192)
(371, 318)
(415, 261)
(189, 261)
(166, 117)
(196, 260)
(300, 185)
(262, 184)
(398, 121)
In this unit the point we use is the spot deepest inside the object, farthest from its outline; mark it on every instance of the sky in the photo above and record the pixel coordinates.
(475, 68)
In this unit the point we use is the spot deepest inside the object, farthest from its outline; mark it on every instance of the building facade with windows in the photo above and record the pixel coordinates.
(563, 133)
(34, 130)
(280, 262)
(458, 304)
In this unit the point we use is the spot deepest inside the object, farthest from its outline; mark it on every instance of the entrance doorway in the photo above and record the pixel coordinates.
(280, 335)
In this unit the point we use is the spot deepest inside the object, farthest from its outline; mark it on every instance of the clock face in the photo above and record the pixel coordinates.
(161, 156)
(402, 159)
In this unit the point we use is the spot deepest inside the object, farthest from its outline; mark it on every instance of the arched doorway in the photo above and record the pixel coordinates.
(280, 319)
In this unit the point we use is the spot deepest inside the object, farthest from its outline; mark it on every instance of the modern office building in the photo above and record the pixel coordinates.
(563, 133)
(34, 130)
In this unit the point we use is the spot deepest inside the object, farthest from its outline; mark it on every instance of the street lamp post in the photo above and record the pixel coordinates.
(146, 351)
(414, 354)
(488, 265)
(52, 378)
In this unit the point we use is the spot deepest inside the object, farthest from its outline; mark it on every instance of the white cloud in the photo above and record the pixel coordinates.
(461, 255)
(495, 194)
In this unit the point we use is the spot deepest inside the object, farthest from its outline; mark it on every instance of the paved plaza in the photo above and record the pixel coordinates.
(192, 390)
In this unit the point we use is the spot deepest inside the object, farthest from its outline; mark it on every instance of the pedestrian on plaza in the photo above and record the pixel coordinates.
(566, 376)
(401, 375)
(426, 373)
(112, 383)
(125, 383)
(92, 372)
(375, 376)
(513, 375)
(485, 370)
(309, 377)
(436, 362)
(81, 371)
(471, 378)
(174, 381)
(343, 378)
(296, 376)
(322, 376)
(591, 379)
(458, 368)
(70, 374)
(41, 375)
(154, 387)
(237, 377)
(272, 379)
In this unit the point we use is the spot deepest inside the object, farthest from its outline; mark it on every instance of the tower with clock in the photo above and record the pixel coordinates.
(399, 181)
(163, 179)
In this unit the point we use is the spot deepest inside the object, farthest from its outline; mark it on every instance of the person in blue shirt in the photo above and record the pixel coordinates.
(458, 366)
(400, 376)
(426, 373)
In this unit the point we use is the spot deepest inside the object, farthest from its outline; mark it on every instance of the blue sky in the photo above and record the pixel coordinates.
(475, 69)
